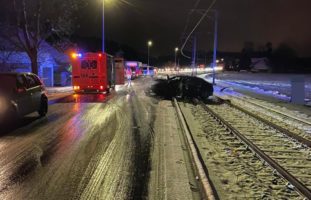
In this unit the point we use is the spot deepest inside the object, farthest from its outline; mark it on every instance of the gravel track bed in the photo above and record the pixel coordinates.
(291, 155)
(295, 126)
(234, 170)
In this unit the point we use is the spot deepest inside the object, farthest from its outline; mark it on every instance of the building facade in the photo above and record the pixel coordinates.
(53, 66)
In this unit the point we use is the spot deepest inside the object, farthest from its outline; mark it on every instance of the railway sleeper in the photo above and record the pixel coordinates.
(281, 151)
(298, 166)
(285, 157)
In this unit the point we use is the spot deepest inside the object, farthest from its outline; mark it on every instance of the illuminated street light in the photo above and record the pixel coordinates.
(150, 43)
(176, 51)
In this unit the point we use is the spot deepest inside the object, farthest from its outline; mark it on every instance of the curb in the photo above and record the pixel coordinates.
(206, 183)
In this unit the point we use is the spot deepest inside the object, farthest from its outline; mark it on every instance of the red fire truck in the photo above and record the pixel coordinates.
(92, 72)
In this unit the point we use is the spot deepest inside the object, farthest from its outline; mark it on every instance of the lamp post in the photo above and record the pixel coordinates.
(215, 46)
(176, 51)
(150, 43)
(103, 27)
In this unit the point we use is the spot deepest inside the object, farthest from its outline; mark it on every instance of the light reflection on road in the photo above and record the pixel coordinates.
(73, 130)
(89, 98)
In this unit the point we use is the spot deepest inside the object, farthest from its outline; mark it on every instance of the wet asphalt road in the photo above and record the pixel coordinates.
(89, 146)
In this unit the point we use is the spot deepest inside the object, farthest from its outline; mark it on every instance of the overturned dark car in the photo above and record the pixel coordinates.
(183, 87)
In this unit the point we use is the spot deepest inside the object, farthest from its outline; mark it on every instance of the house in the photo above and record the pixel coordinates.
(260, 65)
(54, 66)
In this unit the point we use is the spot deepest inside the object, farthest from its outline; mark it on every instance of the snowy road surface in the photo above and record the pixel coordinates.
(93, 147)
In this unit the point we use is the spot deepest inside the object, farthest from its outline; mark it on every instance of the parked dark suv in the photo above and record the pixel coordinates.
(21, 94)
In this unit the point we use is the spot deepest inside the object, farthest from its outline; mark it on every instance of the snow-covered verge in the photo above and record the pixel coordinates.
(276, 85)
(51, 90)
(55, 93)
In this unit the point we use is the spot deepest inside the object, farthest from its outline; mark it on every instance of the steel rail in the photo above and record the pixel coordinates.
(206, 184)
(290, 134)
(303, 121)
(299, 187)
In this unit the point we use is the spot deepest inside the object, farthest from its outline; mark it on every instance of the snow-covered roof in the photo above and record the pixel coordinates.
(260, 63)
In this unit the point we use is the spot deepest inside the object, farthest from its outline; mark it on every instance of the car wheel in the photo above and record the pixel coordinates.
(12, 117)
(108, 91)
(180, 91)
(206, 92)
(43, 107)
(204, 95)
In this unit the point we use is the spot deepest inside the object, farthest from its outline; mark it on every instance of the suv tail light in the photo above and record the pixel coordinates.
(20, 90)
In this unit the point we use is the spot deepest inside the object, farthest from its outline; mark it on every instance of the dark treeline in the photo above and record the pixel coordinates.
(282, 59)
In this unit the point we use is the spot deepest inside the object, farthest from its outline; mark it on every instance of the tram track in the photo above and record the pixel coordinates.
(300, 136)
(299, 125)
(287, 153)
(273, 110)
(248, 141)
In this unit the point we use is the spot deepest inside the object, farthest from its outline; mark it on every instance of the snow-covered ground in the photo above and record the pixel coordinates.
(51, 90)
(276, 85)
(272, 91)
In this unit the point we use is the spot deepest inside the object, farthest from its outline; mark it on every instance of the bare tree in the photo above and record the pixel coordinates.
(5, 54)
(29, 22)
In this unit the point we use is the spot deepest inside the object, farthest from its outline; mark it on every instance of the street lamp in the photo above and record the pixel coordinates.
(150, 43)
(176, 51)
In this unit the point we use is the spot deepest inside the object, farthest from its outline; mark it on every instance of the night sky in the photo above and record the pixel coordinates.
(134, 21)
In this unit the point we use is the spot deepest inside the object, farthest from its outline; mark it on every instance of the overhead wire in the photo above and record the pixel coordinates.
(189, 15)
(195, 27)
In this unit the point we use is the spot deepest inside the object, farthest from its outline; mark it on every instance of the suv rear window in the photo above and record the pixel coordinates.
(31, 81)
(37, 80)
(21, 82)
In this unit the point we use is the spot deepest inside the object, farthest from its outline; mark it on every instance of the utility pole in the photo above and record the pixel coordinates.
(194, 54)
(149, 44)
(176, 51)
(215, 45)
(103, 27)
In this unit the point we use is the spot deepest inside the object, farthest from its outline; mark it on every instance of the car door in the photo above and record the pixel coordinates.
(23, 96)
(175, 86)
(35, 89)
(194, 86)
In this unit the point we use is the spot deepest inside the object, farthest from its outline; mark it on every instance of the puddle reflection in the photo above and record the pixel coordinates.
(85, 98)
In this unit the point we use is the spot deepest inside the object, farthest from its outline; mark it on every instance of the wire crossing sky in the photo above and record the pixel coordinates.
(133, 22)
